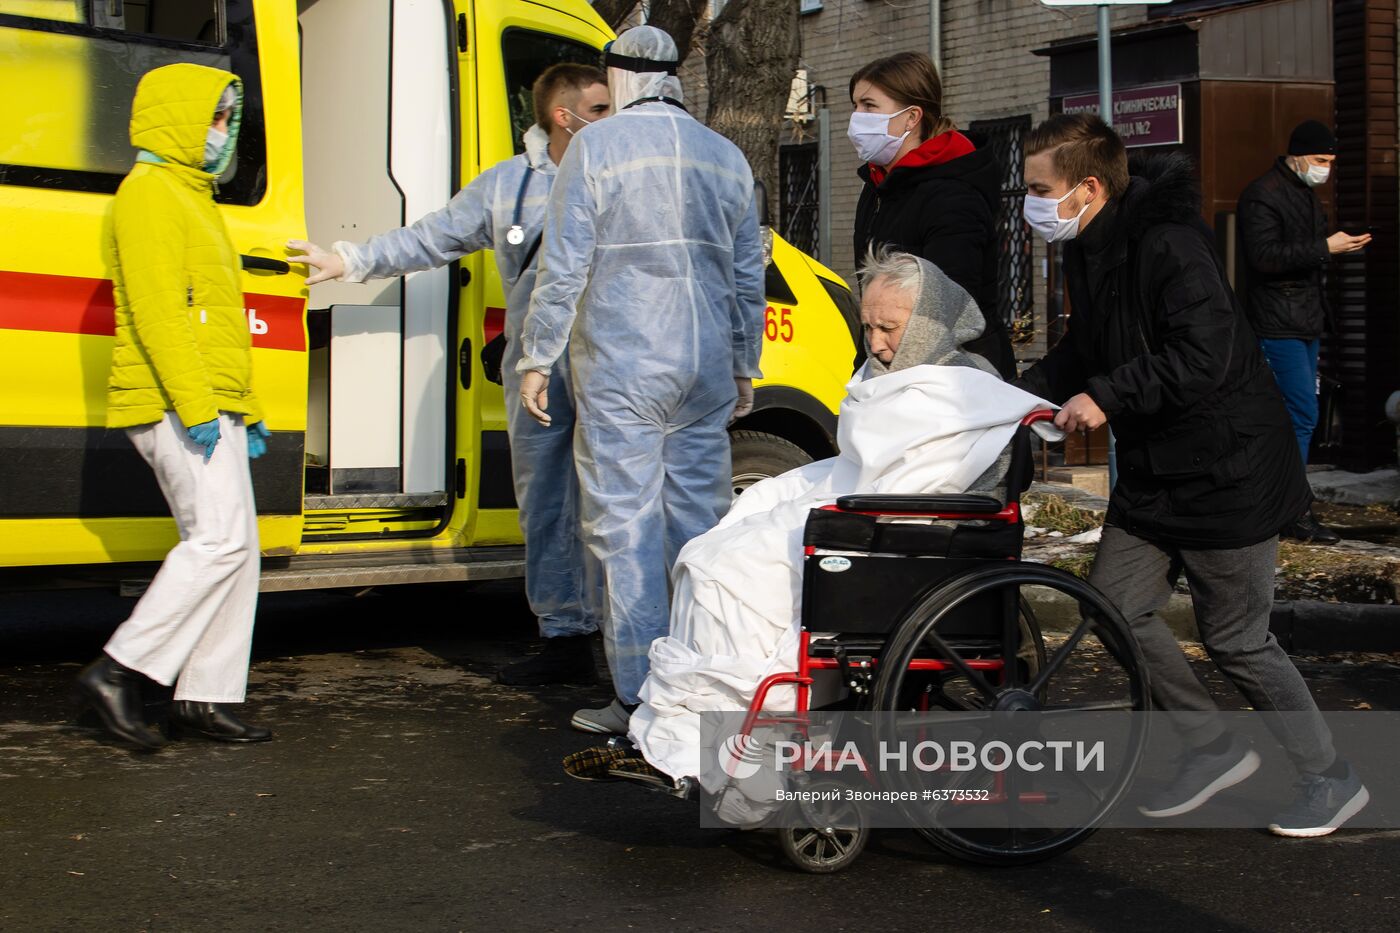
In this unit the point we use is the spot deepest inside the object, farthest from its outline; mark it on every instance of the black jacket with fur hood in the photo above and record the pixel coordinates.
(1206, 452)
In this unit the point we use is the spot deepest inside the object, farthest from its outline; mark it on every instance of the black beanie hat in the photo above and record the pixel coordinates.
(1312, 138)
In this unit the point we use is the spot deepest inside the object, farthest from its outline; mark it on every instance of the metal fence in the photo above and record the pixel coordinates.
(1015, 302)
(797, 201)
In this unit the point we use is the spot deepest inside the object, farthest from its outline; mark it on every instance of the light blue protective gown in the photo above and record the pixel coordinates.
(562, 582)
(651, 273)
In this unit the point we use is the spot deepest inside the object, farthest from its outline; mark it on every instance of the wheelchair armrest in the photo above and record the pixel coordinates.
(956, 504)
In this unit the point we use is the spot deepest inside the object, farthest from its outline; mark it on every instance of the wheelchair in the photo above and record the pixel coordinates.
(916, 603)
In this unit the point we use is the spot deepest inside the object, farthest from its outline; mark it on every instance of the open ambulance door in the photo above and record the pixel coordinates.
(510, 43)
(380, 129)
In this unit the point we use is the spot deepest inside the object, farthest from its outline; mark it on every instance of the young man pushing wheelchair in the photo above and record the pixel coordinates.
(1208, 467)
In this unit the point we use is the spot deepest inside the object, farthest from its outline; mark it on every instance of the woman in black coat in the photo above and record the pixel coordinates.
(928, 190)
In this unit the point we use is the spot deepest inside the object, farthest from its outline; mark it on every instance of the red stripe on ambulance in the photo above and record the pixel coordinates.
(63, 304)
(493, 324)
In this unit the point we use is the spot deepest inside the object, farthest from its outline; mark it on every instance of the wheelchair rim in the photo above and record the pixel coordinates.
(1103, 620)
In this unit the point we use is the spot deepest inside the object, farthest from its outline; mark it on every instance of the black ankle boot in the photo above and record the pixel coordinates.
(212, 721)
(113, 692)
(1308, 528)
(565, 659)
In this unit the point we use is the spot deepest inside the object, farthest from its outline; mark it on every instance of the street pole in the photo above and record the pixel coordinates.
(825, 250)
(1105, 66)
(1106, 113)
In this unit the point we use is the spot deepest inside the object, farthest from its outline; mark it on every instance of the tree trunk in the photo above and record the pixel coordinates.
(614, 12)
(679, 18)
(752, 52)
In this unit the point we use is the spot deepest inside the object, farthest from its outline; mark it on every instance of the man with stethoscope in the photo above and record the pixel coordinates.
(503, 209)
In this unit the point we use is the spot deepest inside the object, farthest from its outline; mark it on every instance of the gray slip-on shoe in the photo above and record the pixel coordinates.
(610, 720)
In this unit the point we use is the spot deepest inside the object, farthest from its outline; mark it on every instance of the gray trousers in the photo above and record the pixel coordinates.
(1232, 592)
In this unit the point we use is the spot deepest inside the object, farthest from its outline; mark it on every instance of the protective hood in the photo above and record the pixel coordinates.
(627, 57)
(173, 108)
(944, 319)
(537, 149)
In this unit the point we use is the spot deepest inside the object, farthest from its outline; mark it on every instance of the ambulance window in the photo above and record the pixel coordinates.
(187, 20)
(82, 70)
(527, 54)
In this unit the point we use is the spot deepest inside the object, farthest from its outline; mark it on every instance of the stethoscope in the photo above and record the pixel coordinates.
(516, 235)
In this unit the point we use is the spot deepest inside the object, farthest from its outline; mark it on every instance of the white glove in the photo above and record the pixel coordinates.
(534, 395)
(744, 405)
(327, 263)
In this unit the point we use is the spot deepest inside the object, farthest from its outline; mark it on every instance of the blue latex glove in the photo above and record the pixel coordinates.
(257, 440)
(206, 435)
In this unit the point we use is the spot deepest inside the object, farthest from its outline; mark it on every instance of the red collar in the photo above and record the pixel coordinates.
(945, 147)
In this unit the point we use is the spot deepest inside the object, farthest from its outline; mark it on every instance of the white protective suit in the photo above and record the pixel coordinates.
(652, 273)
(941, 426)
(561, 585)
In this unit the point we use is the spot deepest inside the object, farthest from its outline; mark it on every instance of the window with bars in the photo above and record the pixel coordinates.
(797, 200)
(1015, 301)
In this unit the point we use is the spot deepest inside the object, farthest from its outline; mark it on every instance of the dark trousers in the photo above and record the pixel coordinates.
(1232, 592)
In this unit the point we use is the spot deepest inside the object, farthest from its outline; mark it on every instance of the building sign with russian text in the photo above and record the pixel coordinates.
(1143, 116)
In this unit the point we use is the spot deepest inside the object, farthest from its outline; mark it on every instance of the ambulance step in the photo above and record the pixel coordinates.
(316, 572)
(396, 500)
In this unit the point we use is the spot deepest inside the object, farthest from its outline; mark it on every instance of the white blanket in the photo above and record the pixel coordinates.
(735, 608)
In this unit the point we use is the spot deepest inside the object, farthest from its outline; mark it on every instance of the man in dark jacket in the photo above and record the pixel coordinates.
(1283, 232)
(1209, 470)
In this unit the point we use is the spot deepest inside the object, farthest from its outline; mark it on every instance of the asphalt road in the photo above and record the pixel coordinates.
(406, 790)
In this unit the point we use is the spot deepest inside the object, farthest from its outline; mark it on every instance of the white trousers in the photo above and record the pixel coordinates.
(194, 626)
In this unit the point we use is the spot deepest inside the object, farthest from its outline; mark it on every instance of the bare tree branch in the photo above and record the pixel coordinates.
(614, 12)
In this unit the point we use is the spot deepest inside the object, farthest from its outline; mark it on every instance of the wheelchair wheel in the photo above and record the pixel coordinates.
(1031, 653)
(1096, 668)
(833, 838)
(928, 691)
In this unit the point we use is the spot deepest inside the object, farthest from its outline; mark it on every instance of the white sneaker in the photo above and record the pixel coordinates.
(610, 720)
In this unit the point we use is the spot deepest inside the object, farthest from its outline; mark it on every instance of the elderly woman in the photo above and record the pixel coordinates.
(922, 416)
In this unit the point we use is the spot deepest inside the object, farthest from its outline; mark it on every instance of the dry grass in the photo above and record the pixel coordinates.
(1056, 514)
(1304, 571)
(1308, 572)
(1077, 564)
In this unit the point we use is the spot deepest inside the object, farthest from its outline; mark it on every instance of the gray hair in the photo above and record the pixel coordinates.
(894, 267)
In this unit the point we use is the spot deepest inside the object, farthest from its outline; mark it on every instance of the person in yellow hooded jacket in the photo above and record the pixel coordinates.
(181, 388)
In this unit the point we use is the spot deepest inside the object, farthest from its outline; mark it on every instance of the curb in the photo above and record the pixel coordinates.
(1301, 627)
(1305, 627)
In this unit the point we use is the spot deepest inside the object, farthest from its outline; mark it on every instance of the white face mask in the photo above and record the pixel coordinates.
(869, 133)
(578, 118)
(1043, 215)
(1315, 175)
(214, 142)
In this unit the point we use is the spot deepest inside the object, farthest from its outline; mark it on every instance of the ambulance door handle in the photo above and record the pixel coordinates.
(263, 264)
(464, 364)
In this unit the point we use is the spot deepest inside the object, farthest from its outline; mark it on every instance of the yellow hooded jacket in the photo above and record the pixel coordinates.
(182, 333)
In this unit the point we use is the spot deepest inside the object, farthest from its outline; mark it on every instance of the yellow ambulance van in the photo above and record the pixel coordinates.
(388, 461)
